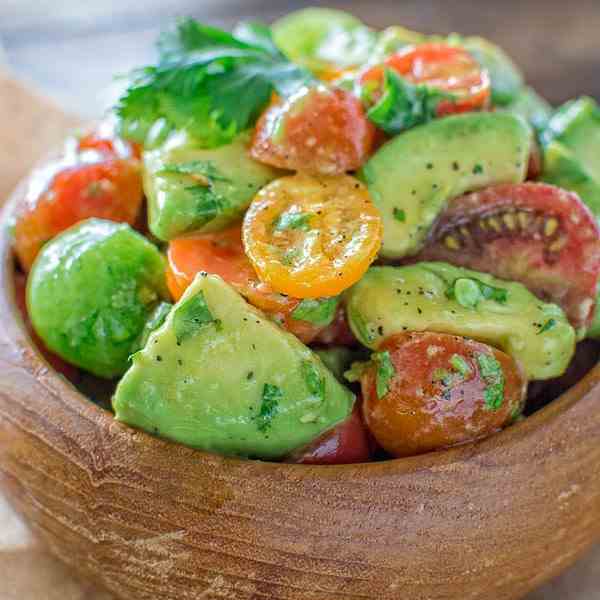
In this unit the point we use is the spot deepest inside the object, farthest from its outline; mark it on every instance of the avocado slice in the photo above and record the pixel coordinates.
(532, 107)
(190, 188)
(412, 177)
(439, 297)
(220, 376)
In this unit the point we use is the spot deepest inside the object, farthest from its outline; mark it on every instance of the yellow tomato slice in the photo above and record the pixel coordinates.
(312, 237)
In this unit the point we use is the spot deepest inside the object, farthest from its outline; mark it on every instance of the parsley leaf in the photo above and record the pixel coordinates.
(320, 311)
(403, 105)
(269, 406)
(385, 372)
(296, 220)
(204, 171)
(314, 381)
(191, 316)
(493, 375)
(212, 83)
(547, 326)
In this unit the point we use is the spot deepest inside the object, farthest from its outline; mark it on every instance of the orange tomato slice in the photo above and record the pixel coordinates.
(312, 237)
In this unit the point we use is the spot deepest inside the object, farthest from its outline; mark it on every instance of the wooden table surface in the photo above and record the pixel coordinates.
(70, 51)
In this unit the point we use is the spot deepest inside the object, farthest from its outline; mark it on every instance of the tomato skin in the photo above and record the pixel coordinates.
(108, 146)
(55, 361)
(223, 254)
(347, 443)
(447, 68)
(109, 190)
(429, 404)
(331, 233)
(319, 131)
(534, 233)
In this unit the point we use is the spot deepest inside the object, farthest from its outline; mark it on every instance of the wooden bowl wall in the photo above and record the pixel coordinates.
(149, 519)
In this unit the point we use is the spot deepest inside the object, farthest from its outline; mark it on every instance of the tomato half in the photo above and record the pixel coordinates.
(538, 234)
(320, 130)
(347, 443)
(223, 254)
(312, 237)
(108, 190)
(446, 68)
(426, 391)
(104, 141)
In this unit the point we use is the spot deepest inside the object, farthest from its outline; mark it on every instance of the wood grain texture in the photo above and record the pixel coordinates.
(149, 519)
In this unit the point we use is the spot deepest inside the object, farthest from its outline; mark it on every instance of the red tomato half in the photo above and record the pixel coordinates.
(320, 131)
(348, 443)
(223, 254)
(108, 190)
(446, 68)
(428, 391)
(538, 234)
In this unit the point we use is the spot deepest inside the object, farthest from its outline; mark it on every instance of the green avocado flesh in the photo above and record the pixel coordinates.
(91, 291)
(422, 297)
(219, 376)
(416, 173)
(532, 107)
(322, 38)
(190, 188)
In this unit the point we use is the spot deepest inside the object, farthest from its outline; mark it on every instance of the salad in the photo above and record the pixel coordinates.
(319, 243)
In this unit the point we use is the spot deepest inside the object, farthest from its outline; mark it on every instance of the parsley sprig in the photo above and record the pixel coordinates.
(212, 83)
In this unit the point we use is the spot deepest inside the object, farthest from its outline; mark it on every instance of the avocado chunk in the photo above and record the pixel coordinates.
(220, 376)
(412, 177)
(322, 39)
(532, 107)
(571, 145)
(442, 298)
(91, 292)
(190, 188)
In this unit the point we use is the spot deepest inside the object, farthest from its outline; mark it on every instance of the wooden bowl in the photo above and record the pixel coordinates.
(149, 519)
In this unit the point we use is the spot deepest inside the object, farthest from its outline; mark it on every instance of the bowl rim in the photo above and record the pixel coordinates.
(37, 366)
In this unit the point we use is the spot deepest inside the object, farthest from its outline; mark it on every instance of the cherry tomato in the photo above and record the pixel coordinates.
(347, 443)
(55, 361)
(426, 391)
(109, 190)
(319, 131)
(538, 234)
(312, 237)
(223, 254)
(446, 68)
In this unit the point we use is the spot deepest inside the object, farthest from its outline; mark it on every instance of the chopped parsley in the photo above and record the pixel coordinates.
(468, 292)
(547, 326)
(269, 406)
(191, 316)
(315, 382)
(385, 372)
(199, 78)
(493, 376)
(402, 105)
(297, 220)
(399, 214)
(478, 169)
(319, 311)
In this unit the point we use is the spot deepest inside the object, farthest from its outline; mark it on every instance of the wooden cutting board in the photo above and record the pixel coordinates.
(30, 125)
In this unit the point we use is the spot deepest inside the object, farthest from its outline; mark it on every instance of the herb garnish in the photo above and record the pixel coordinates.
(200, 79)
(191, 316)
(271, 397)
(547, 326)
(399, 214)
(468, 291)
(315, 382)
(385, 372)
(319, 311)
(403, 105)
(493, 375)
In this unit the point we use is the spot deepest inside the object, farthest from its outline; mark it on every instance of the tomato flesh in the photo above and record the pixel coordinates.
(108, 190)
(347, 443)
(312, 237)
(223, 254)
(318, 131)
(440, 393)
(446, 68)
(538, 234)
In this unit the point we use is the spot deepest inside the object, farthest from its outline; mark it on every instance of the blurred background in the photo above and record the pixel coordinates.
(72, 50)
